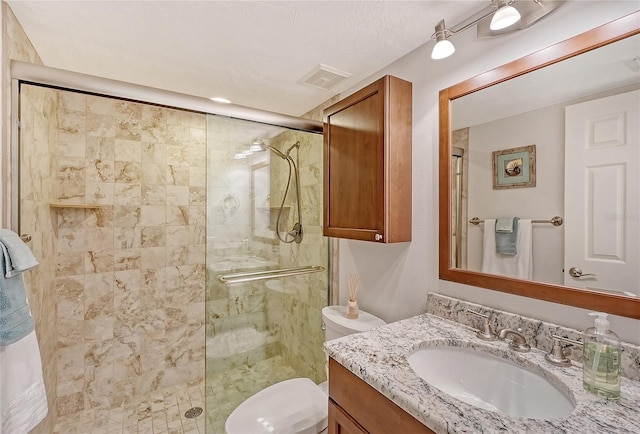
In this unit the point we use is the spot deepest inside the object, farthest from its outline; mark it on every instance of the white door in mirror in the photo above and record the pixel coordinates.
(602, 194)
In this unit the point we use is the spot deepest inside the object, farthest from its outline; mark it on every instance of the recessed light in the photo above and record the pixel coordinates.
(221, 100)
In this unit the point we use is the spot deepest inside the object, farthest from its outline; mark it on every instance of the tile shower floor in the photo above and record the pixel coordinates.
(163, 412)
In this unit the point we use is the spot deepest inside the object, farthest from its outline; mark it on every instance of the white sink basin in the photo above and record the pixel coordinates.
(489, 382)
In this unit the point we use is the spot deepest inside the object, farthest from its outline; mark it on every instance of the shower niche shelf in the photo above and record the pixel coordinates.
(367, 163)
(74, 205)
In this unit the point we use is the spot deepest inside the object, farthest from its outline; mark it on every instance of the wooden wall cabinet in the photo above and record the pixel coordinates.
(367, 163)
(356, 408)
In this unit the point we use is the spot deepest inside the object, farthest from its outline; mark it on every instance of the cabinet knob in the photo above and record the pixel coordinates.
(378, 237)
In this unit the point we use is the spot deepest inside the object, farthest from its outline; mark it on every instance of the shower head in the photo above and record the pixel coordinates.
(296, 145)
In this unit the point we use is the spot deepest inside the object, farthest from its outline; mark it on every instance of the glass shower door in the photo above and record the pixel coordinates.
(264, 331)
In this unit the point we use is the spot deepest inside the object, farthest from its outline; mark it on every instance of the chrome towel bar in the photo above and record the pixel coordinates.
(229, 279)
(556, 221)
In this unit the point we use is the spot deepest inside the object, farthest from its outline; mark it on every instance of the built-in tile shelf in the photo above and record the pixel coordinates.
(75, 205)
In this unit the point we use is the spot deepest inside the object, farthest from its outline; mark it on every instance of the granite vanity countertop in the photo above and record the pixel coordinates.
(379, 357)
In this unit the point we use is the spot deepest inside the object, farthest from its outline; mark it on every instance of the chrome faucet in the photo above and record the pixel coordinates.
(518, 341)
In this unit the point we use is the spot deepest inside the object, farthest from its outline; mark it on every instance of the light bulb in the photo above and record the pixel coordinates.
(442, 49)
(504, 17)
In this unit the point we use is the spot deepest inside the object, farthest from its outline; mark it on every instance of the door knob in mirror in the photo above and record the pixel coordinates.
(576, 272)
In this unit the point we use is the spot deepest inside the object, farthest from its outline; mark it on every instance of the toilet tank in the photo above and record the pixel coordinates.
(337, 324)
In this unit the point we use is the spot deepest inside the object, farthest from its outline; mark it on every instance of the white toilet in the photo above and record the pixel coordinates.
(296, 406)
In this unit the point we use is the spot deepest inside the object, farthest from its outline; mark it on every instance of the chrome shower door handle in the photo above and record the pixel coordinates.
(576, 272)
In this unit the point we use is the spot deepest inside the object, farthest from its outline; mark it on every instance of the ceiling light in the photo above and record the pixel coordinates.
(498, 15)
(256, 148)
(444, 47)
(221, 100)
(505, 16)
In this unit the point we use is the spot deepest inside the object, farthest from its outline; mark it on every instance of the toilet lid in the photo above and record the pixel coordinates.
(347, 326)
(291, 406)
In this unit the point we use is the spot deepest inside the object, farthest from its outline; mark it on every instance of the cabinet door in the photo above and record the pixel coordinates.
(367, 163)
(341, 423)
(354, 166)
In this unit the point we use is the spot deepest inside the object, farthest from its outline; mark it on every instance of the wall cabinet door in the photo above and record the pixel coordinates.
(367, 163)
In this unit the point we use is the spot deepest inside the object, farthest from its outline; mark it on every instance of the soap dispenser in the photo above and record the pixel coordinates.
(601, 357)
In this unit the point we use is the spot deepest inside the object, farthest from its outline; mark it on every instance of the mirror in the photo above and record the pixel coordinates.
(528, 110)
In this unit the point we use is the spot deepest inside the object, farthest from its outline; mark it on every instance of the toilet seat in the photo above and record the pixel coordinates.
(291, 406)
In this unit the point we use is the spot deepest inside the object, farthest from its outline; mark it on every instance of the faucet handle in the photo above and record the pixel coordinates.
(486, 334)
(556, 356)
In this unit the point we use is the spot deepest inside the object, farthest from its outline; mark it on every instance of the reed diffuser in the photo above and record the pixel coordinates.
(352, 304)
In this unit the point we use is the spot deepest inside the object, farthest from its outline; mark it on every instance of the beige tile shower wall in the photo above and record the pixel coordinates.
(15, 46)
(38, 136)
(130, 273)
(304, 296)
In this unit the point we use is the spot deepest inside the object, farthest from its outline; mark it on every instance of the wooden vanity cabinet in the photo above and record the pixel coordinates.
(367, 163)
(356, 408)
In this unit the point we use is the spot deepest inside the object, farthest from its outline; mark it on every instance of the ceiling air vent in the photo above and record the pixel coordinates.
(324, 77)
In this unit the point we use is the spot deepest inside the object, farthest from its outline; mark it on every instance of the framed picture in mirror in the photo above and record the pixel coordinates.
(514, 168)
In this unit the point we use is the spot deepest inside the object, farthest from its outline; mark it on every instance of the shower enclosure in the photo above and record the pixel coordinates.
(135, 211)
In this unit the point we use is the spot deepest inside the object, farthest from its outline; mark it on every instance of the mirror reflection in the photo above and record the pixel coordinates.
(562, 141)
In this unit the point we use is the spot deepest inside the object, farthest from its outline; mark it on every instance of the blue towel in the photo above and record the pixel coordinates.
(506, 242)
(16, 321)
(17, 256)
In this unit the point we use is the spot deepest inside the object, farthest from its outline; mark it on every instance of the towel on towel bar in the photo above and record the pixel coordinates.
(17, 255)
(506, 224)
(507, 236)
(519, 265)
(15, 318)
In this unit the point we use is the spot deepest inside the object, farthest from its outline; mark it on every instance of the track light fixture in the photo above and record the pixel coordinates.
(503, 15)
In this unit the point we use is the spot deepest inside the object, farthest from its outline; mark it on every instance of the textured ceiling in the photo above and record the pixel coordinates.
(252, 52)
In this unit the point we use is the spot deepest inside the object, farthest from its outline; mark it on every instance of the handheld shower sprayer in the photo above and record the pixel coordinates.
(296, 232)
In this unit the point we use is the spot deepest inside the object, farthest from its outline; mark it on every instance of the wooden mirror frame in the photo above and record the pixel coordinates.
(615, 304)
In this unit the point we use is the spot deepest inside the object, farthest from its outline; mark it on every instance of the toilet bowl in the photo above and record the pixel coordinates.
(296, 406)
